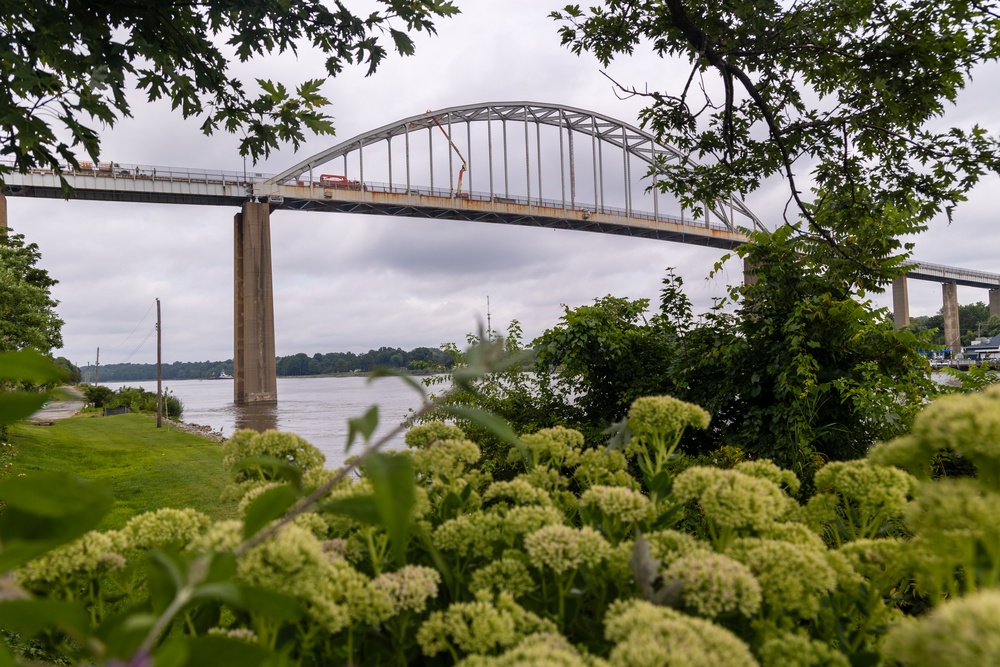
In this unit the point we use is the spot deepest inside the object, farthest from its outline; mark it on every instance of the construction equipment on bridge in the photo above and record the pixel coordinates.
(461, 172)
(338, 181)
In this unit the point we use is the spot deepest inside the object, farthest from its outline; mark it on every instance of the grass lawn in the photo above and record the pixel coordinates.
(146, 468)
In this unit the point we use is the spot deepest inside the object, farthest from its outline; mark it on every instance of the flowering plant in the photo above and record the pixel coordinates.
(423, 558)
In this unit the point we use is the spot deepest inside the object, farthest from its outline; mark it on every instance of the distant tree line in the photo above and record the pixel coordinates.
(974, 321)
(416, 360)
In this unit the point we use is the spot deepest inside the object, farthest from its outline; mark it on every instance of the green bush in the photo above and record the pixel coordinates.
(134, 398)
(425, 559)
(97, 394)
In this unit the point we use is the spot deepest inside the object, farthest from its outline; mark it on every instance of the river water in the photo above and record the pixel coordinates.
(315, 408)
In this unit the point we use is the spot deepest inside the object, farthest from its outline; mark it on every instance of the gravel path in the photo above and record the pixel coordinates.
(59, 409)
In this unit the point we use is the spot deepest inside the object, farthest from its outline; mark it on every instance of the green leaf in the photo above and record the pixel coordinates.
(49, 494)
(403, 42)
(122, 634)
(30, 617)
(267, 507)
(660, 484)
(360, 508)
(365, 425)
(45, 510)
(207, 615)
(280, 468)
(270, 603)
(866, 658)
(15, 406)
(212, 651)
(490, 422)
(222, 591)
(173, 653)
(29, 366)
(394, 482)
(6, 659)
(402, 375)
(619, 435)
(164, 577)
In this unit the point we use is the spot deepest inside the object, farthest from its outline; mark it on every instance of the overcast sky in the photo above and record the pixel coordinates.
(345, 282)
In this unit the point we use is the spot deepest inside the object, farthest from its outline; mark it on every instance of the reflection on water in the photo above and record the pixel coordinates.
(315, 408)
(258, 417)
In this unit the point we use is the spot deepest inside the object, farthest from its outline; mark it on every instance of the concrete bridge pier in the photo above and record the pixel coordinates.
(952, 332)
(749, 272)
(900, 303)
(254, 374)
(995, 302)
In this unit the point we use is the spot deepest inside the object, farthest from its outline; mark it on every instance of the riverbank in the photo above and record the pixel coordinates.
(68, 402)
(146, 468)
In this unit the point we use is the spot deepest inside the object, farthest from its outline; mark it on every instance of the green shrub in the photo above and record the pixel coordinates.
(425, 559)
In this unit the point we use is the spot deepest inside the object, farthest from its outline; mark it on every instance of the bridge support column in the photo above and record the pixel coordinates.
(952, 333)
(749, 272)
(3, 212)
(900, 303)
(994, 302)
(254, 376)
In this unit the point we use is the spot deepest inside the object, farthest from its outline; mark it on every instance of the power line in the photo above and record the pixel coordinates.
(139, 346)
(136, 327)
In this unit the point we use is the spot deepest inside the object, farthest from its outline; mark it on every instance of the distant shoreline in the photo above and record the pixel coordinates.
(297, 377)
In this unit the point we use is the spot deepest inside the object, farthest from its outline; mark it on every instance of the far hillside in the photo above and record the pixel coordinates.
(419, 359)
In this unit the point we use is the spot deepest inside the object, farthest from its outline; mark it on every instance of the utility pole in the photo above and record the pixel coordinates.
(489, 321)
(159, 368)
(97, 367)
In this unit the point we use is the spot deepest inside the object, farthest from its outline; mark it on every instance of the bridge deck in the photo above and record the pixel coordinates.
(175, 186)
(166, 185)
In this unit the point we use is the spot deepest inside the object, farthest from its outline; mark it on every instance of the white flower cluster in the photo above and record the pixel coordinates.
(163, 526)
(479, 627)
(409, 587)
(876, 490)
(423, 435)
(562, 548)
(767, 469)
(715, 585)
(960, 633)
(63, 568)
(509, 573)
(286, 447)
(445, 458)
(772, 562)
(552, 447)
(732, 499)
(650, 636)
(623, 503)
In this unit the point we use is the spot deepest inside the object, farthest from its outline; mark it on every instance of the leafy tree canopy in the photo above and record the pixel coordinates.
(70, 66)
(27, 310)
(850, 93)
(794, 366)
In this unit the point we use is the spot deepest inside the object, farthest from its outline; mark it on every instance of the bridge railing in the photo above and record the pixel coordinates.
(943, 270)
(121, 170)
(138, 172)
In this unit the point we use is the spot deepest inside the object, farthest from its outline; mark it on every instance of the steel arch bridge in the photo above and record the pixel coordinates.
(521, 163)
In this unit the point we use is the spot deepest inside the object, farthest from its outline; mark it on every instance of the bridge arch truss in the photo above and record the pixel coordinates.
(521, 153)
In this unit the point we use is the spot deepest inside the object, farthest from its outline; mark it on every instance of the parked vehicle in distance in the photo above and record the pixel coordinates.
(338, 181)
(105, 168)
